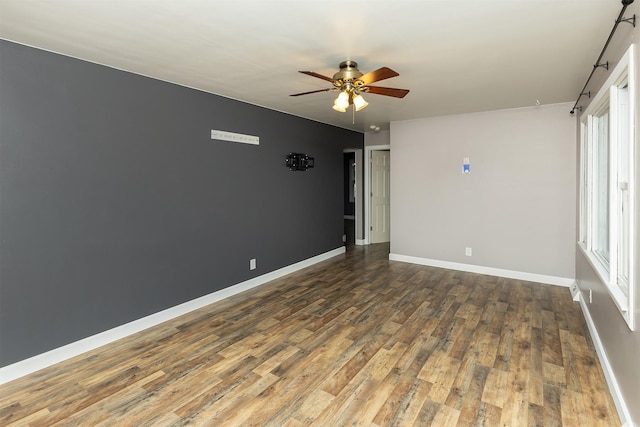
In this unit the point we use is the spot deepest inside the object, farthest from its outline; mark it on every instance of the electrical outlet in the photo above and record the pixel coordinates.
(468, 251)
(252, 264)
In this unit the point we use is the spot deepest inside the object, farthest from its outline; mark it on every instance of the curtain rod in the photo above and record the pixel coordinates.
(605, 65)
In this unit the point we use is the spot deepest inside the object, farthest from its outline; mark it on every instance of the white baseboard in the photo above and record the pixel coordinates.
(614, 388)
(43, 360)
(361, 242)
(510, 274)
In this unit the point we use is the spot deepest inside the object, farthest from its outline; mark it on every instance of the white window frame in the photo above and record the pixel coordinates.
(621, 289)
(584, 224)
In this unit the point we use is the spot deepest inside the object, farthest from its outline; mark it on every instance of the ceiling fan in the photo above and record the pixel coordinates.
(351, 84)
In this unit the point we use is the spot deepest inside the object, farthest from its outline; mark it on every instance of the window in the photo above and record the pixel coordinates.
(624, 164)
(607, 142)
(584, 166)
(600, 141)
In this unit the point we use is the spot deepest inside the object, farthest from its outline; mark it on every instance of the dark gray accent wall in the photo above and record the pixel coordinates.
(116, 204)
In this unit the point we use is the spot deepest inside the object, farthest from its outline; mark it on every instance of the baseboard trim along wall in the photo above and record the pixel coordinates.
(509, 274)
(40, 361)
(614, 388)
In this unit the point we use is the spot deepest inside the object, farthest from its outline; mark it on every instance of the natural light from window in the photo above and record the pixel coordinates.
(607, 144)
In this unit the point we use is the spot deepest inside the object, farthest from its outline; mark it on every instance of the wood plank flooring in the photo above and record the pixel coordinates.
(357, 340)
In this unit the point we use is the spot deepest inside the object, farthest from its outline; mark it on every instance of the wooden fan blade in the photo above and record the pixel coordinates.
(387, 91)
(313, 91)
(377, 75)
(314, 74)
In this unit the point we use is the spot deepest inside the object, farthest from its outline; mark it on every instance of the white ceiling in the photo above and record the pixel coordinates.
(455, 56)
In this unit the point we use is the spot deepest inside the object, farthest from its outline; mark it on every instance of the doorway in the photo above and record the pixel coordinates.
(353, 176)
(349, 199)
(377, 190)
(380, 200)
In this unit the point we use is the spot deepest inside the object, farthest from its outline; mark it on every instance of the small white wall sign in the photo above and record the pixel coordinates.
(234, 137)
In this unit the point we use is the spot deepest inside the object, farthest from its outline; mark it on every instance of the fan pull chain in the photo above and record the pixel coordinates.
(353, 121)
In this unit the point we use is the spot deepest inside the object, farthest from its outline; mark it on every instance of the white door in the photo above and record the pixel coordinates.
(380, 198)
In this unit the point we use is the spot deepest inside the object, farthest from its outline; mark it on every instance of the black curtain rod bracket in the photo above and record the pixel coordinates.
(631, 20)
(599, 62)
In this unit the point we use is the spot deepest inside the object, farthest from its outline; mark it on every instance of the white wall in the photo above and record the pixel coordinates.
(516, 209)
(377, 138)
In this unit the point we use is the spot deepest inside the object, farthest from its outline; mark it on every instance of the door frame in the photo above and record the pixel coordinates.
(367, 187)
(358, 193)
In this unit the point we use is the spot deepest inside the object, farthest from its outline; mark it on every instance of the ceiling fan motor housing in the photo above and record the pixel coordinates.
(348, 73)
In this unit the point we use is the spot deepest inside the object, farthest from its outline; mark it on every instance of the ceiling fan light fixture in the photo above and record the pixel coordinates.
(342, 102)
(359, 102)
(339, 109)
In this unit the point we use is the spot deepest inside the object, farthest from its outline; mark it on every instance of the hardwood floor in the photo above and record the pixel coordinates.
(356, 340)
